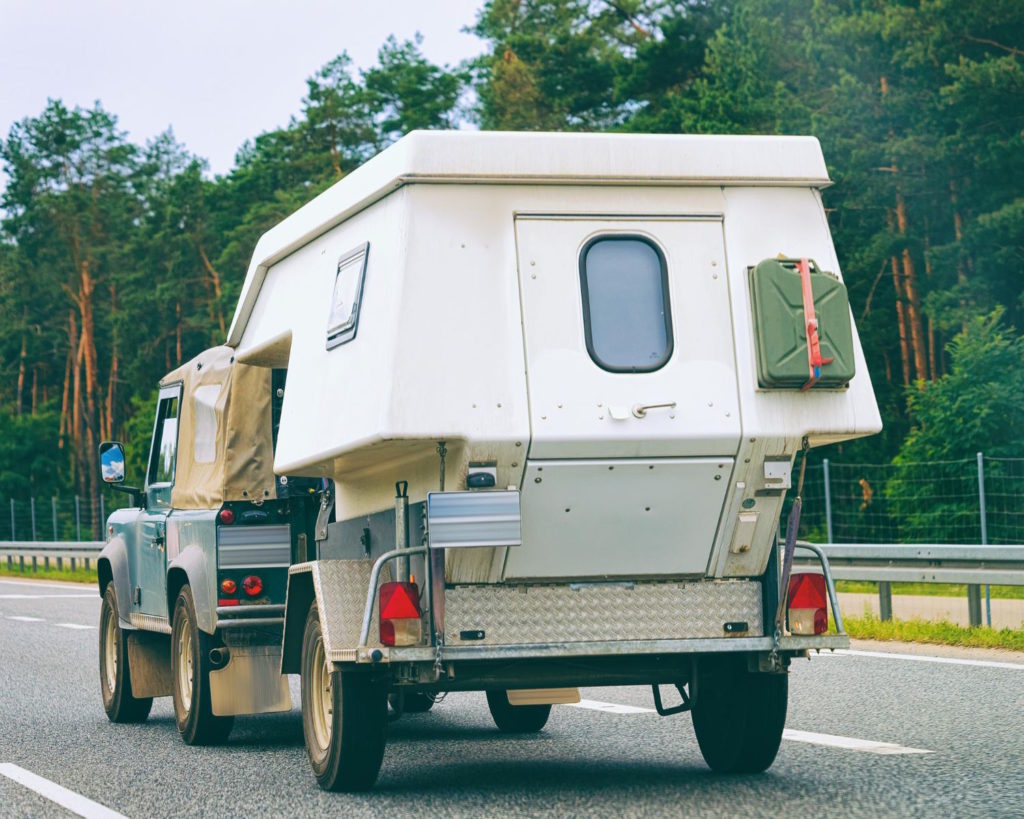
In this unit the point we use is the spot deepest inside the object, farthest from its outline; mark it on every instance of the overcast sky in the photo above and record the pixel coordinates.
(218, 71)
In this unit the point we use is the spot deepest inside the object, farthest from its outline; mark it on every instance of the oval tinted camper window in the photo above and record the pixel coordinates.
(626, 314)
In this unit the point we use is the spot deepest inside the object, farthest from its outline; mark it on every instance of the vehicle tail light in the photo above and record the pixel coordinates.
(808, 604)
(400, 614)
(252, 585)
(228, 586)
(228, 602)
(226, 516)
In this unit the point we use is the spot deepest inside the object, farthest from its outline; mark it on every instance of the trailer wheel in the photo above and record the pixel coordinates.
(344, 716)
(410, 702)
(739, 717)
(190, 672)
(115, 675)
(516, 719)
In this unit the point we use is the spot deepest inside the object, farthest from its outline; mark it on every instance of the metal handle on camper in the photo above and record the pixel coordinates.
(640, 410)
(371, 593)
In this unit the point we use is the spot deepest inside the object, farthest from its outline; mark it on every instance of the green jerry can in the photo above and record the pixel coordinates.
(781, 332)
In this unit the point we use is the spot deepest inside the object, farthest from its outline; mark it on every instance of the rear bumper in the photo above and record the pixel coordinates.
(789, 645)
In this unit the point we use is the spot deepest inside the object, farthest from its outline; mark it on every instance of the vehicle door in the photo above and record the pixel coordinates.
(152, 540)
(634, 410)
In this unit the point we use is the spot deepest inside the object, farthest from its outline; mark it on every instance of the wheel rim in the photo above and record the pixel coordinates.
(322, 696)
(109, 650)
(185, 669)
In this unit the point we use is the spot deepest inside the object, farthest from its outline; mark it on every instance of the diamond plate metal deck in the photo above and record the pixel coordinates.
(528, 614)
(340, 587)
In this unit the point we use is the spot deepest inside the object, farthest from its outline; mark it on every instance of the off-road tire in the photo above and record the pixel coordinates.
(190, 674)
(115, 674)
(516, 719)
(739, 716)
(344, 717)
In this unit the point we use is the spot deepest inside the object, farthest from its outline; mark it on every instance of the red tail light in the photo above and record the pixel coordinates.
(227, 602)
(400, 614)
(252, 585)
(226, 516)
(228, 586)
(808, 604)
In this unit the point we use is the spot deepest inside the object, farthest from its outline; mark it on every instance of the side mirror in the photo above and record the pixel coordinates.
(112, 462)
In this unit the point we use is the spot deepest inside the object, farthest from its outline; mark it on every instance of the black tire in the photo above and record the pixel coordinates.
(516, 719)
(739, 717)
(190, 675)
(410, 702)
(344, 717)
(115, 675)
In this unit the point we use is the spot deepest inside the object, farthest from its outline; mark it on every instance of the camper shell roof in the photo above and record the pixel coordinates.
(494, 157)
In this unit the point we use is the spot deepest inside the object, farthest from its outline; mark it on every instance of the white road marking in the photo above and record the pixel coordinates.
(25, 619)
(74, 802)
(74, 625)
(828, 740)
(849, 743)
(35, 584)
(610, 707)
(922, 658)
(41, 596)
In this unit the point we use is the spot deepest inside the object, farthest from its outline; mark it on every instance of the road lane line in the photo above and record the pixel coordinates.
(55, 793)
(35, 584)
(828, 740)
(24, 619)
(849, 743)
(922, 658)
(41, 596)
(610, 707)
(73, 625)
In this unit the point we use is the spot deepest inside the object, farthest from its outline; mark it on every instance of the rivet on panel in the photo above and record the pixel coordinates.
(711, 403)
(718, 477)
(567, 509)
(514, 463)
(647, 508)
(519, 443)
(533, 263)
(536, 480)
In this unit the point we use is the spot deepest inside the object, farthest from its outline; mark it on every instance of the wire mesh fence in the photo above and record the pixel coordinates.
(977, 500)
(56, 518)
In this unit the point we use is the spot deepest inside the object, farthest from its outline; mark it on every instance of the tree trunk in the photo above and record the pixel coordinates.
(913, 299)
(901, 321)
(89, 428)
(65, 418)
(22, 359)
(214, 276)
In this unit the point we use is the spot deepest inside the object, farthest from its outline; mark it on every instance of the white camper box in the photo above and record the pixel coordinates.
(440, 293)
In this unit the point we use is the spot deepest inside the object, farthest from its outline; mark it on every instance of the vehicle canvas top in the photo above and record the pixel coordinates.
(224, 431)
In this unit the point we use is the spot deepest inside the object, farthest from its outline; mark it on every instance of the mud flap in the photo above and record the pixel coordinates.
(149, 662)
(251, 683)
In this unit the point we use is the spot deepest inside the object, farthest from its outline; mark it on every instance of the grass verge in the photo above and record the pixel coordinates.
(929, 589)
(76, 576)
(870, 627)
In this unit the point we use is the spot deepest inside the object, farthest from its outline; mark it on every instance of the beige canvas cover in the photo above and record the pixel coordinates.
(225, 445)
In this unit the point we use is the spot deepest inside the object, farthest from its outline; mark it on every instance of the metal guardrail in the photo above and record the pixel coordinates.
(884, 564)
(925, 563)
(34, 552)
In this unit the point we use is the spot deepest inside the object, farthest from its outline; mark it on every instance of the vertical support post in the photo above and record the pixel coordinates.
(828, 502)
(78, 518)
(32, 510)
(885, 599)
(984, 542)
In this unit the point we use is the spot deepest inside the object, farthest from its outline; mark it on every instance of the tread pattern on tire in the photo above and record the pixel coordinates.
(355, 751)
(516, 719)
(120, 704)
(199, 725)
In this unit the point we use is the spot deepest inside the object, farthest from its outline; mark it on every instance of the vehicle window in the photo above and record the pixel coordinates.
(204, 410)
(347, 297)
(626, 315)
(161, 470)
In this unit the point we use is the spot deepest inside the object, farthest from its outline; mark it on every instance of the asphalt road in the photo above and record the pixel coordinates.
(589, 761)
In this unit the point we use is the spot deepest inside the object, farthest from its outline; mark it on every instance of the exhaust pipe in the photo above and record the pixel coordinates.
(219, 657)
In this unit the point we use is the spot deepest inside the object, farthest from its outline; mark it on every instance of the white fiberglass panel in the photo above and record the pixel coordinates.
(619, 518)
(582, 406)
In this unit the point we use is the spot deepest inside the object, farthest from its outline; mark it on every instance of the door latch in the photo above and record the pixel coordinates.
(640, 410)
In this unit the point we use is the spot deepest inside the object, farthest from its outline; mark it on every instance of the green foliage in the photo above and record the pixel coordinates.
(870, 627)
(31, 460)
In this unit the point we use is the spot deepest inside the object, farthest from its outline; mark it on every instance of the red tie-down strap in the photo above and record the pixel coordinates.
(814, 360)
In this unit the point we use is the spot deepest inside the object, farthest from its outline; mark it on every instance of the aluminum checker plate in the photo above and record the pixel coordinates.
(340, 587)
(533, 614)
